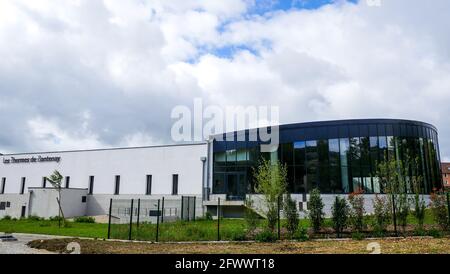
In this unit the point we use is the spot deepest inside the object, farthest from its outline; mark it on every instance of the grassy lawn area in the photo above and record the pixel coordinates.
(201, 230)
(51, 228)
(387, 246)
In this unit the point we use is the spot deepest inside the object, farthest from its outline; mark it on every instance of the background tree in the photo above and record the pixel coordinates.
(291, 214)
(56, 180)
(382, 214)
(270, 181)
(250, 216)
(439, 209)
(357, 210)
(340, 214)
(315, 210)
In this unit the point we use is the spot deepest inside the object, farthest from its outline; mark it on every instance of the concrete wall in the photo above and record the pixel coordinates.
(16, 202)
(43, 202)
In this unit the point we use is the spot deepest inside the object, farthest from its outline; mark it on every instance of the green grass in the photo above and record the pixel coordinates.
(201, 230)
(51, 228)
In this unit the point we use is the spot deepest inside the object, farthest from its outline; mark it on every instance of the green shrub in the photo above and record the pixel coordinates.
(357, 211)
(35, 218)
(403, 210)
(357, 236)
(382, 213)
(266, 236)
(7, 218)
(435, 233)
(238, 236)
(84, 219)
(56, 218)
(208, 216)
(419, 231)
(439, 209)
(250, 216)
(301, 234)
(315, 210)
(340, 212)
(291, 214)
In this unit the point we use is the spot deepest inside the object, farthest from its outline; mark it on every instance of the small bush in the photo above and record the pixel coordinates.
(250, 216)
(340, 212)
(208, 216)
(357, 236)
(7, 218)
(435, 233)
(439, 209)
(403, 210)
(35, 218)
(357, 211)
(315, 210)
(84, 219)
(418, 231)
(382, 215)
(301, 234)
(266, 236)
(238, 236)
(56, 219)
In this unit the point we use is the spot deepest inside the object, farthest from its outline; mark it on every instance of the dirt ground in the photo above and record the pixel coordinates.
(423, 245)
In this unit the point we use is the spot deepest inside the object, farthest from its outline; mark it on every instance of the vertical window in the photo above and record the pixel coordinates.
(148, 190)
(22, 185)
(91, 185)
(67, 181)
(2, 189)
(117, 185)
(44, 182)
(344, 145)
(175, 184)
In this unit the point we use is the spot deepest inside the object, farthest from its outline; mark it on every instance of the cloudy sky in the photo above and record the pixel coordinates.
(78, 74)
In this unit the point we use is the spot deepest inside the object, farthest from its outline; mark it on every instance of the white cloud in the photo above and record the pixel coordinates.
(126, 64)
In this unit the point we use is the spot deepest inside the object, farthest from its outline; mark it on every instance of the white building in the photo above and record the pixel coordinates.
(93, 177)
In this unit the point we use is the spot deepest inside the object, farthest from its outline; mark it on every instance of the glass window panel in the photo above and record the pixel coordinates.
(333, 146)
(231, 156)
(300, 179)
(287, 151)
(219, 183)
(299, 153)
(344, 145)
(242, 155)
(220, 157)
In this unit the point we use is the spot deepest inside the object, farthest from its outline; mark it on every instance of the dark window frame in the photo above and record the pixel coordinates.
(91, 185)
(3, 186)
(22, 185)
(148, 186)
(117, 185)
(175, 179)
(67, 182)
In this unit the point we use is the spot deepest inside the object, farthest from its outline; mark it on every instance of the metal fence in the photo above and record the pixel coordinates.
(140, 219)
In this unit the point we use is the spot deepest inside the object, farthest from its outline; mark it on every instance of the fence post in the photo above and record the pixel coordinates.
(395, 216)
(131, 220)
(109, 218)
(138, 215)
(188, 208)
(279, 219)
(448, 206)
(182, 209)
(162, 210)
(157, 221)
(195, 206)
(218, 219)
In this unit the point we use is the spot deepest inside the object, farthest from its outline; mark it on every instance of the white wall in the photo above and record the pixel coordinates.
(132, 164)
(43, 202)
(16, 201)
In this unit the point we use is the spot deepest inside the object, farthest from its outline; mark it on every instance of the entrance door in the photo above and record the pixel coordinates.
(24, 209)
(235, 186)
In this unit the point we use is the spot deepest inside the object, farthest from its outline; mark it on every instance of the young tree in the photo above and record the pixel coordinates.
(418, 201)
(439, 209)
(291, 214)
(271, 180)
(340, 213)
(250, 216)
(381, 213)
(315, 210)
(56, 180)
(357, 210)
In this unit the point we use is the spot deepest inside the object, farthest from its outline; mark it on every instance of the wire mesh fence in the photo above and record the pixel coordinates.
(142, 219)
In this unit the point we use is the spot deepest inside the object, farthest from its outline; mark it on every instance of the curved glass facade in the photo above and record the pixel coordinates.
(335, 156)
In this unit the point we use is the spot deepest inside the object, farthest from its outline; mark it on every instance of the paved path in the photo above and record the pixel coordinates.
(20, 246)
